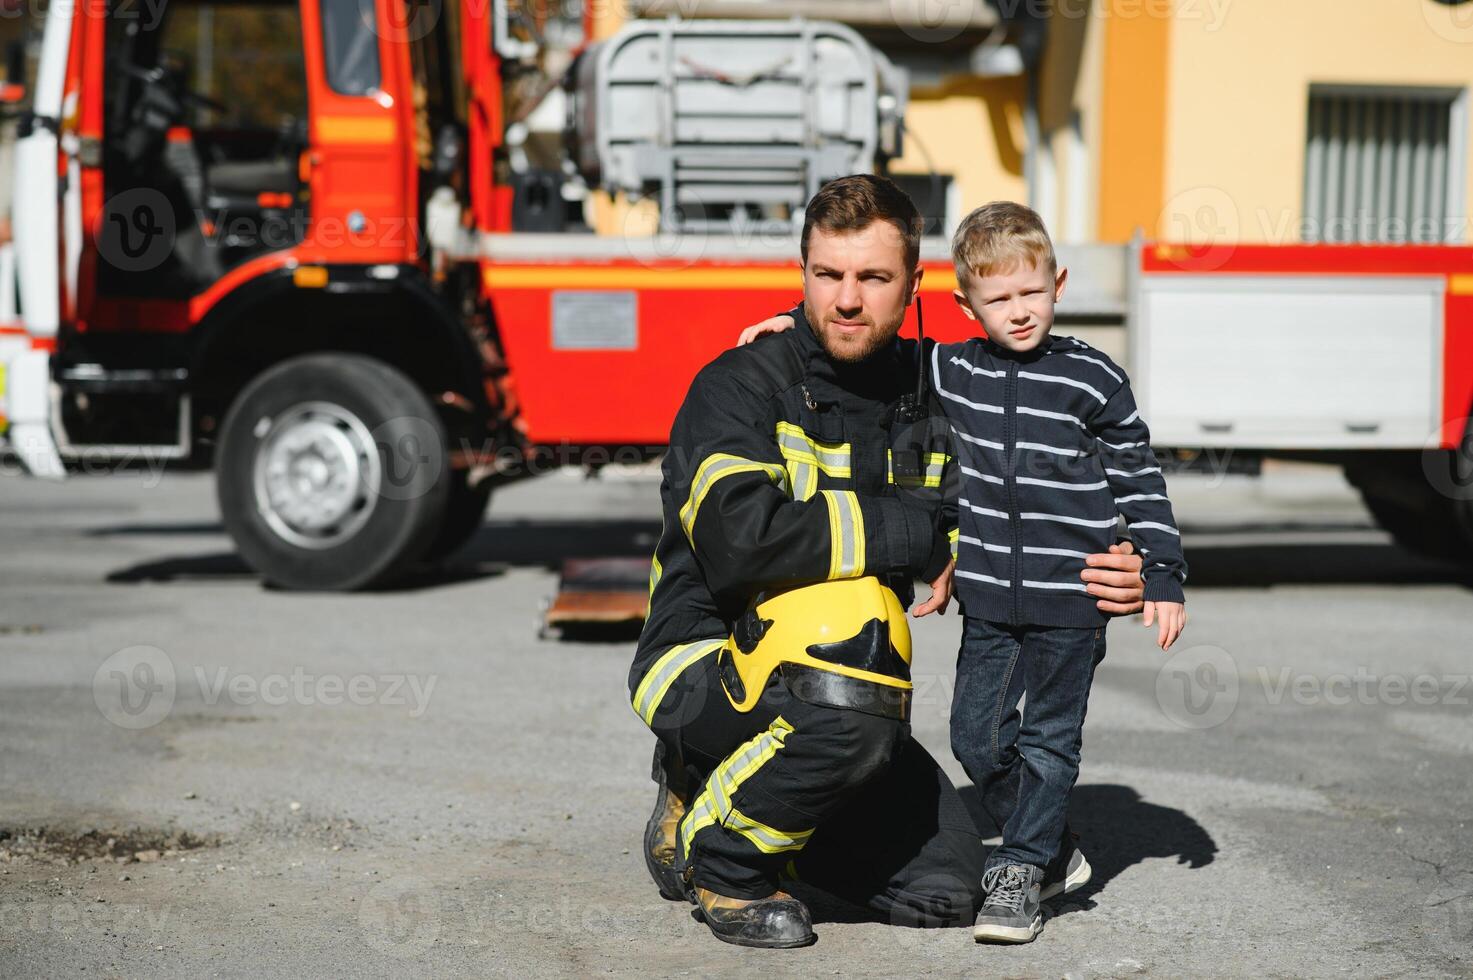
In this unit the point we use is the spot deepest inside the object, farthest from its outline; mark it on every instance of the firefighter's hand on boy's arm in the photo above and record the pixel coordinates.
(940, 594)
(1171, 619)
(1114, 578)
(773, 324)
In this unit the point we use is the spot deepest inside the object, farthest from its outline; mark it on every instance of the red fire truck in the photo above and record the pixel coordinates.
(325, 247)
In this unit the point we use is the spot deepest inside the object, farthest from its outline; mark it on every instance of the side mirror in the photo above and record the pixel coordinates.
(15, 63)
(13, 90)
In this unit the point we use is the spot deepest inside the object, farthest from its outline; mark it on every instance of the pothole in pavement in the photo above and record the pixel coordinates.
(133, 846)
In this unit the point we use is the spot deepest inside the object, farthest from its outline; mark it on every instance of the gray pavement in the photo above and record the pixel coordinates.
(200, 776)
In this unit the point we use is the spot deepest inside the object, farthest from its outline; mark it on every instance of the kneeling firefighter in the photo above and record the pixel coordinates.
(803, 495)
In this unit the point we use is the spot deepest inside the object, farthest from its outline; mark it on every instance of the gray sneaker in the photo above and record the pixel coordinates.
(1069, 871)
(1010, 914)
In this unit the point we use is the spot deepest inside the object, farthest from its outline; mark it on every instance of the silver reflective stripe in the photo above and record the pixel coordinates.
(715, 801)
(657, 681)
(846, 524)
(797, 446)
(714, 468)
(804, 478)
(768, 839)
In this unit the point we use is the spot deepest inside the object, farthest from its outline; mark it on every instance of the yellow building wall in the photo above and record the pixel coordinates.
(1237, 100)
(973, 129)
(1135, 82)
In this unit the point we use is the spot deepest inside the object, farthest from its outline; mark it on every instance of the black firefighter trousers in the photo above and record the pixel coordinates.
(842, 801)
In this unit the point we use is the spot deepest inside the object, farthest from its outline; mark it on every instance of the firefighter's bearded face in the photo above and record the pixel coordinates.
(856, 286)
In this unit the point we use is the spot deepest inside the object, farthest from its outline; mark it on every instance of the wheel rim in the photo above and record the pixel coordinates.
(316, 475)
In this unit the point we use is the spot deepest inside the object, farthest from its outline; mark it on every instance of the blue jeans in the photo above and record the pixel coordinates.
(1023, 763)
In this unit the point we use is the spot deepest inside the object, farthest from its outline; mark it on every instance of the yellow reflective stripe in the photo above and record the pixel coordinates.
(672, 663)
(846, 527)
(714, 803)
(764, 838)
(935, 466)
(952, 536)
(713, 468)
(797, 446)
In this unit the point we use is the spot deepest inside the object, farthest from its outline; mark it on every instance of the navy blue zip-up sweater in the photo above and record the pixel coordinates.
(1052, 452)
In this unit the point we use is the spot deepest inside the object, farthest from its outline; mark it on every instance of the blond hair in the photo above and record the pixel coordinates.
(998, 237)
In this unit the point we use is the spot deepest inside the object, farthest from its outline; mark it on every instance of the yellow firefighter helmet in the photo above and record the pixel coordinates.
(845, 644)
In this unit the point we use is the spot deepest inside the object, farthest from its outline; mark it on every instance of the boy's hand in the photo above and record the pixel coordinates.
(940, 592)
(1115, 579)
(1172, 619)
(773, 324)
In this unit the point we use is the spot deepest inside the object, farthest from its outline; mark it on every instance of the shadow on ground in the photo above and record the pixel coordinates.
(496, 546)
(1117, 830)
(500, 544)
(1262, 564)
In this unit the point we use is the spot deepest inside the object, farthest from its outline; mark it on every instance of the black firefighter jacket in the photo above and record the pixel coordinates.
(787, 468)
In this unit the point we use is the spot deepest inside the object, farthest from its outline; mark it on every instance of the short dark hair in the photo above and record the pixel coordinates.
(858, 201)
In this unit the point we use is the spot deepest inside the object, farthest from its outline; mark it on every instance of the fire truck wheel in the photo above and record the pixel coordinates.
(463, 514)
(331, 473)
(1422, 519)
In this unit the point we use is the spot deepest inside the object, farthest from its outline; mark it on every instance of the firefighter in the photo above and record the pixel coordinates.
(804, 490)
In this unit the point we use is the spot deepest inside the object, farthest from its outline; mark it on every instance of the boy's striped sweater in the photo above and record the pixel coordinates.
(1051, 449)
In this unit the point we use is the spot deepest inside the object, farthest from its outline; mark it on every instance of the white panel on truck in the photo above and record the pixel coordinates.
(1288, 362)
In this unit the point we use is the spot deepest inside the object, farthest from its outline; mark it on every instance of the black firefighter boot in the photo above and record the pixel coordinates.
(778, 921)
(671, 802)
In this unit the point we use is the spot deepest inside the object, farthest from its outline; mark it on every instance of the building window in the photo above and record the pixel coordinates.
(1385, 164)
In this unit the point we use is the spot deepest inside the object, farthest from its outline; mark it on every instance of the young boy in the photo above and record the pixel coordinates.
(1051, 450)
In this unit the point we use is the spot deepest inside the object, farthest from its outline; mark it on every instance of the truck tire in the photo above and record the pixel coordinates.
(1422, 518)
(331, 473)
(463, 514)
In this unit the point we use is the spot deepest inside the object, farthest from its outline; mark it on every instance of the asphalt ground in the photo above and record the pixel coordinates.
(200, 776)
